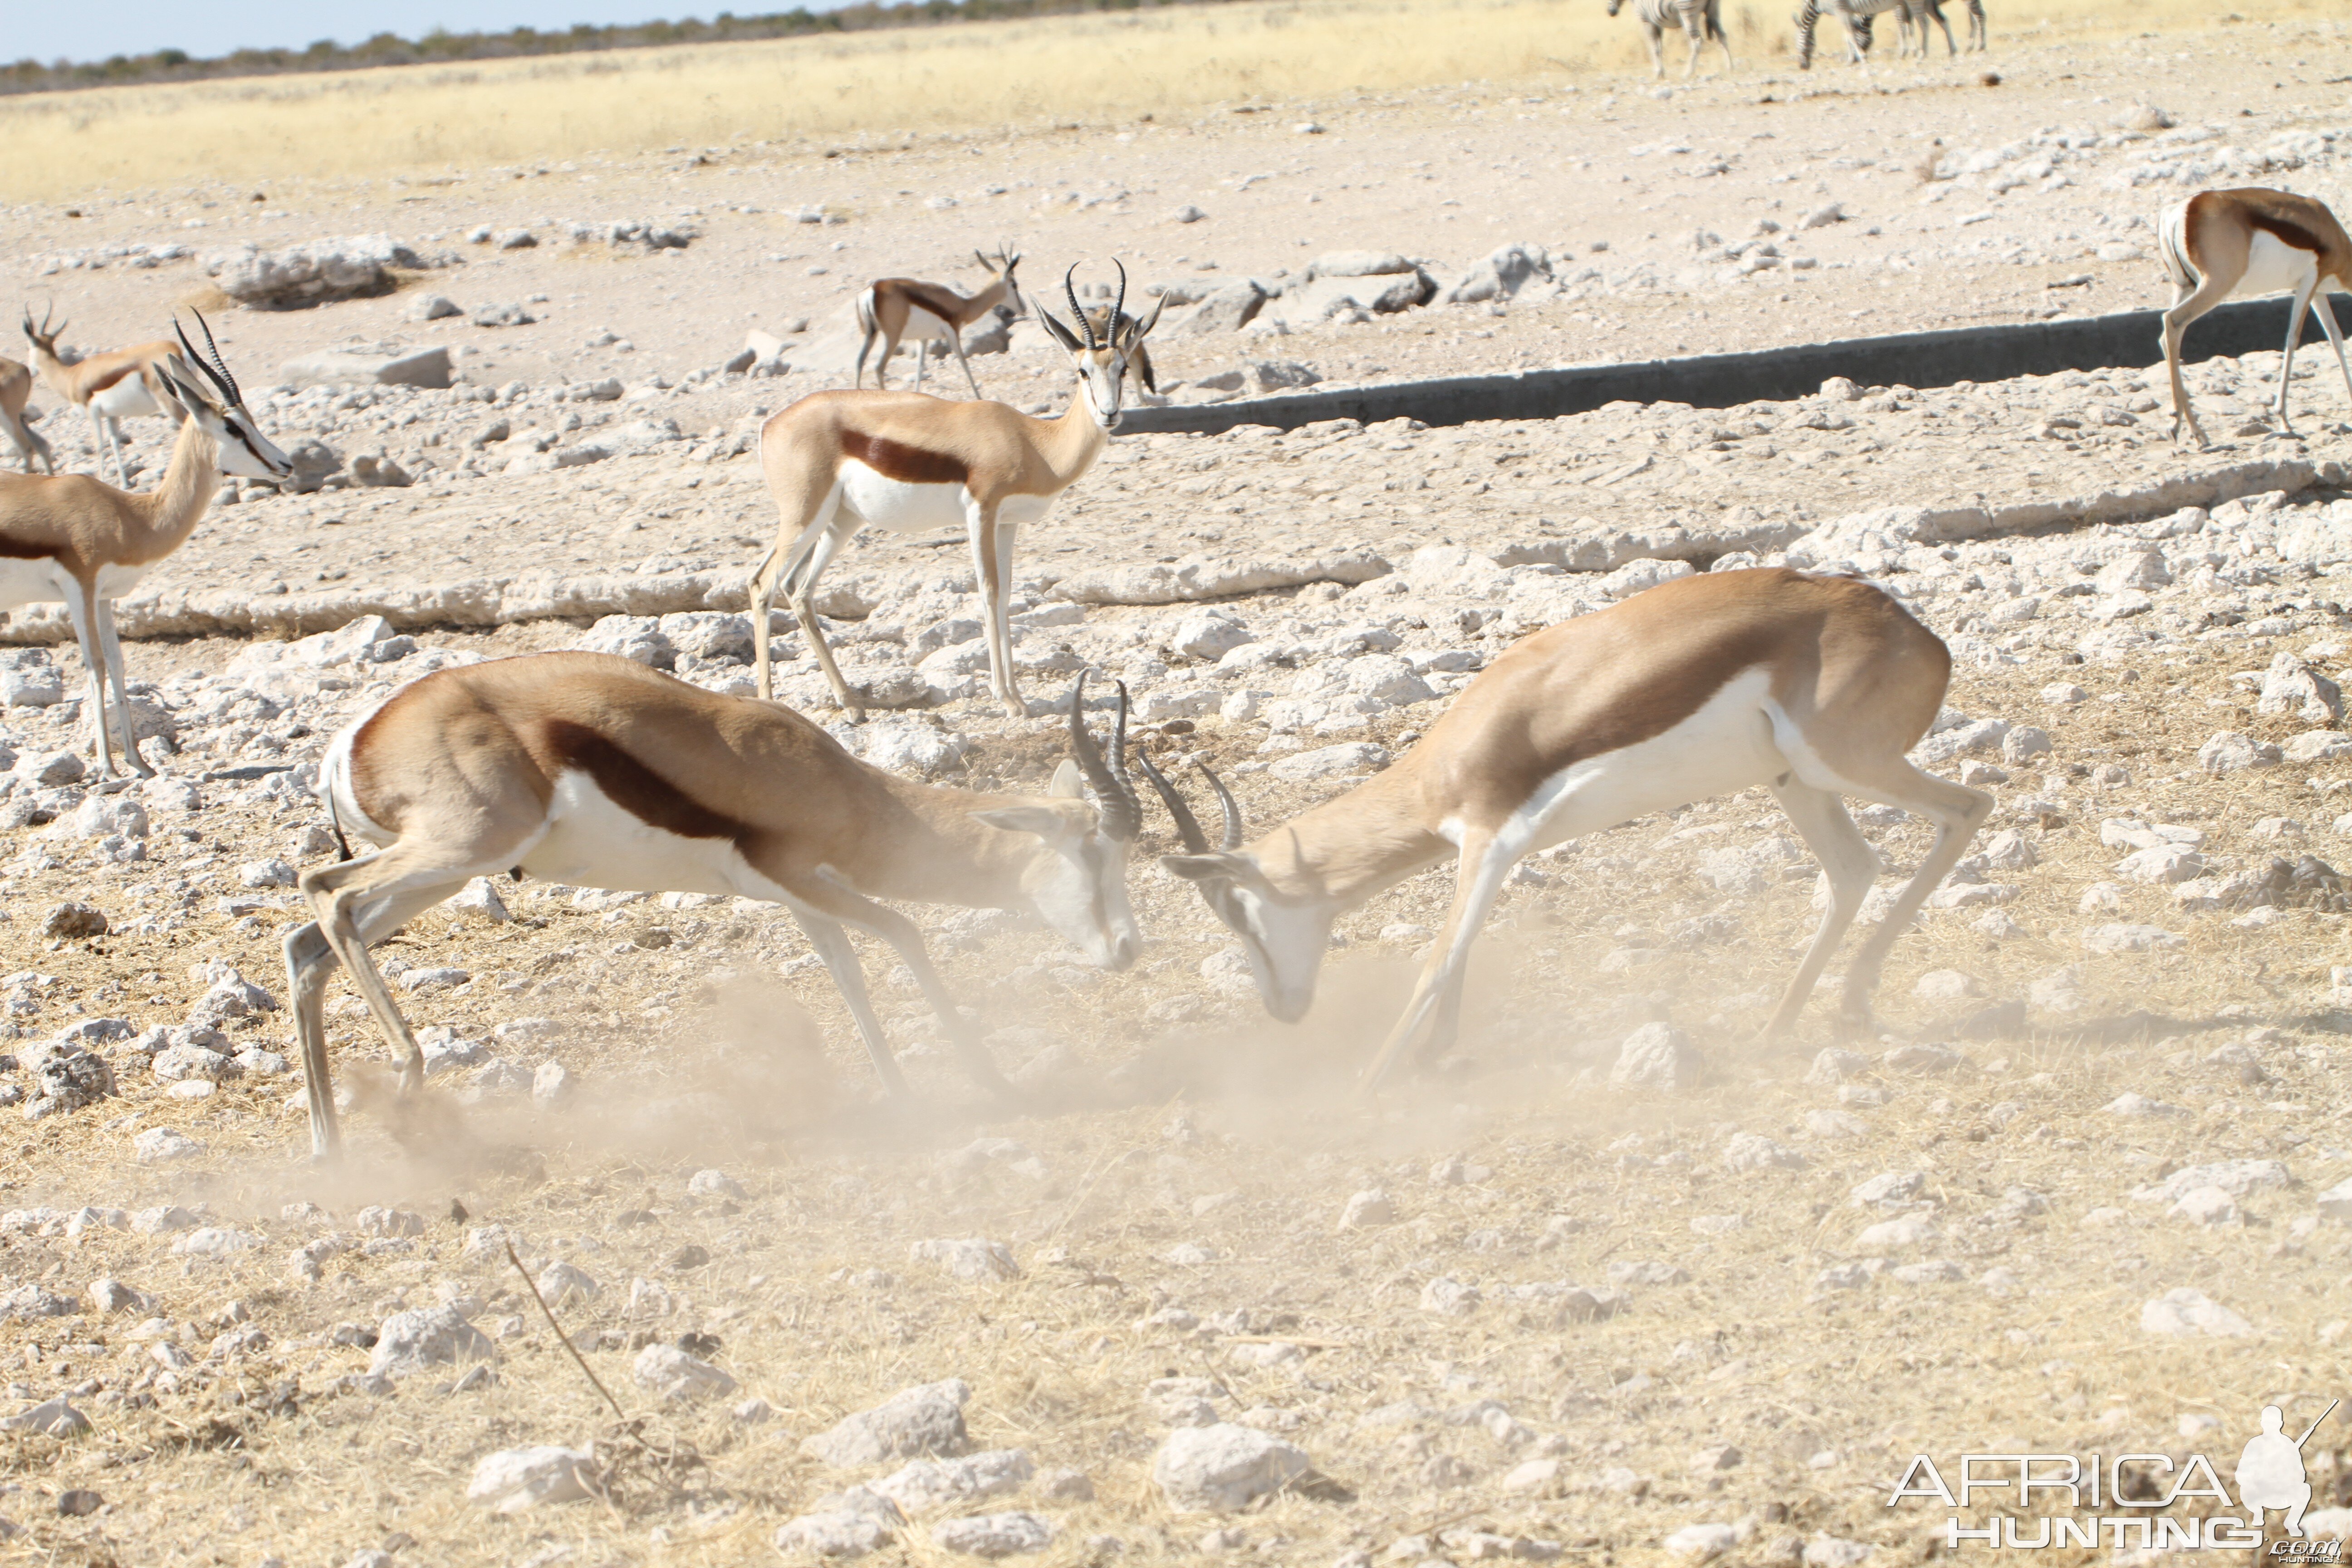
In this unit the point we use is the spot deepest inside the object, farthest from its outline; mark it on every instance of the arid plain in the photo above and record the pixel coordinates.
(2084, 1191)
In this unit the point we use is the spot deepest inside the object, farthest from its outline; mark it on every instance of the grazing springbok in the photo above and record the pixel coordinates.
(16, 391)
(77, 539)
(909, 463)
(586, 769)
(1811, 687)
(2221, 244)
(896, 308)
(1698, 20)
(109, 387)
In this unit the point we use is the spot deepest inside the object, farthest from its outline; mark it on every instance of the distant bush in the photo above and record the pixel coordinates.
(439, 46)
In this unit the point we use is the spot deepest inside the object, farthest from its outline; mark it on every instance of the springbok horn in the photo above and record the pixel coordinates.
(1120, 819)
(236, 394)
(1134, 815)
(1188, 827)
(1086, 324)
(196, 362)
(1119, 308)
(1232, 808)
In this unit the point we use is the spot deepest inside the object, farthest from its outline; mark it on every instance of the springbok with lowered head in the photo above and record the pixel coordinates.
(899, 460)
(893, 309)
(16, 391)
(74, 538)
(1813, 687)
(590, 770)
(109, 387)
(2219, 244)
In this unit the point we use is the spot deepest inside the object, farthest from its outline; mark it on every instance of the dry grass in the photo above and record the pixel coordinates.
(876, 86)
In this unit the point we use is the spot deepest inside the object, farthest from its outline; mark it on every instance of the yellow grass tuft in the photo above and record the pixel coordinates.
(878, 86)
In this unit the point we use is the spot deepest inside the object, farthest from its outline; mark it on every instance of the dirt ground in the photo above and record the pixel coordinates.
(1584, 1321)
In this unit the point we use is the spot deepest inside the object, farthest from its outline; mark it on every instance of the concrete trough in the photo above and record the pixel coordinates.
(2129, 338)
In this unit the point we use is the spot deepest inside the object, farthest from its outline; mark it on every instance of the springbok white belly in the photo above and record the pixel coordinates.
(32, 583)
(2274, 267)
(878, 501)
(921, 324)
(591, 842)
(126, 399)
(1724, 747)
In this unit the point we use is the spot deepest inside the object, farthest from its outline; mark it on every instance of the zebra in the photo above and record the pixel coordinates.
(1699, 20)
(1858, 15)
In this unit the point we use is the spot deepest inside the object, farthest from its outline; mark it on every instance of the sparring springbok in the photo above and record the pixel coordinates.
(2221, 243)
(1811, 687)
(1699, 20)
(109, 387)
(909, 463)
(896, 308)
(16, 391)
(77, 539)
(587, 769)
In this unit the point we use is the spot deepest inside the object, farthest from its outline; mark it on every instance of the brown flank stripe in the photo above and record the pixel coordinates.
(908, 465)
(637, 788)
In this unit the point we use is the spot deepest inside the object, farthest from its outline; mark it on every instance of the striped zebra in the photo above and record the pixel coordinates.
(1858, 16)
(1699, 20)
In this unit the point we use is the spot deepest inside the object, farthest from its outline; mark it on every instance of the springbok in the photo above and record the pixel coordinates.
(109, 387)
(1811, 687)
(896, 308)
(16, 391)
(1698, 20)
(587, 769)
(911, 463)
(2221, 244)
(77, 539)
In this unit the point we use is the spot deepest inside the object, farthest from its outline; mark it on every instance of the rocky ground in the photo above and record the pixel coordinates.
(1618, 1285)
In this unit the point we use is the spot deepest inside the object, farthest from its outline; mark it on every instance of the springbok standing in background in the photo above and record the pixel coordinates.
(590, 770)
(896, 308)
(1814, 688)
(1699, 20)
(911, 463)
(109, 387)
(16, 391)
(2221, 243)
(74, 538)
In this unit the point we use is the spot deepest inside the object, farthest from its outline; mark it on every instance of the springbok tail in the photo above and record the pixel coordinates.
(2172, 247)
(865, 309)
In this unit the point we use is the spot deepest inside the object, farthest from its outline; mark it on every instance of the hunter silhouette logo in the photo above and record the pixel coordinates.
(2270, 1471)
(2126, 1501)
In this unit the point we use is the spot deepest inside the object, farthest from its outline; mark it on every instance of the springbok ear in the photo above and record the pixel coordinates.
(179, 389)
(1061, 334)
(1142, 329)
(1068, 784)
(1043, 821)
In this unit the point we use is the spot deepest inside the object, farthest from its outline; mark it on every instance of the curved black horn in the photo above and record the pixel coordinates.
(236, 394)
(1133, 806)
(1119, 818)
(1232, 808)
(196, 362)
(1086, 324)
(1188, 827)
(1120, 304)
